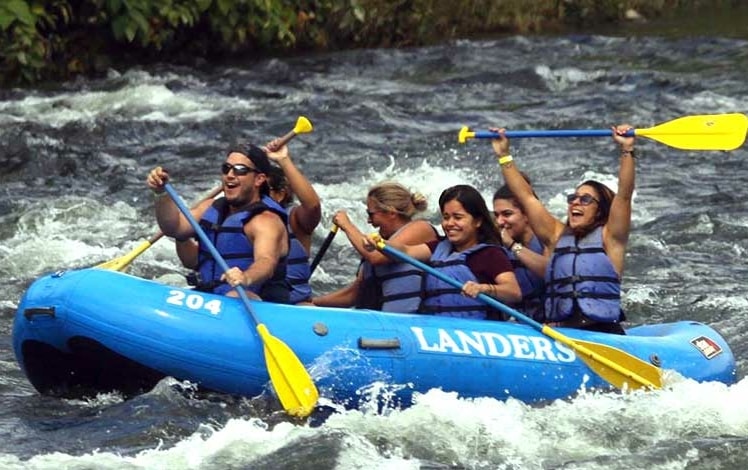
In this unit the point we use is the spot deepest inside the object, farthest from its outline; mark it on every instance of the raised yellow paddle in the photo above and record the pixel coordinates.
(701, 132)
(291, 381)
(302, 126)
(619, 368)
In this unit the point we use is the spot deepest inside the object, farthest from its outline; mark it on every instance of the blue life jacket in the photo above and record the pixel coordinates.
(393, 287)
(298, 270)
(441, 298)
(226, 232)
(580, 272)
(532, 285)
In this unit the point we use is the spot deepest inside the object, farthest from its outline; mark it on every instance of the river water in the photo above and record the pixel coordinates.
(72, 169)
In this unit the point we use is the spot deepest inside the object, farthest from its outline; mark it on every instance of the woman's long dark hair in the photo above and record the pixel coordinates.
(277, 182)
(606, 196)
(475, 205)
(506, 194)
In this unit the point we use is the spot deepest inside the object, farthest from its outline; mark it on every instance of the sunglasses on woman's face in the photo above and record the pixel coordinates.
(584, 199)
(239, 169)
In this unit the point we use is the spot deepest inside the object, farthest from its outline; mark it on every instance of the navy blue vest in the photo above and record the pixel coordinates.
(393, 287)
(226, 232)
(396, 287)
(441, 298)
(532, 286)
(298, 270)
(580, 271)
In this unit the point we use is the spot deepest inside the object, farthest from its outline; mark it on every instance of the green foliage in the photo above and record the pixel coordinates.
(21, 44)
(58, 39)
(252, 24)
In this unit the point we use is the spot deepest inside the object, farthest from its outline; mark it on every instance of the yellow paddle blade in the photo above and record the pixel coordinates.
(619, 368)
(651, 375)
(702, 132)
(119, 264)
(290, 379)
(302, 126)
(465, 134)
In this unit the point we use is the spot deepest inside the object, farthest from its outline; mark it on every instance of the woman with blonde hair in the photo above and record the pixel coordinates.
(381, 283)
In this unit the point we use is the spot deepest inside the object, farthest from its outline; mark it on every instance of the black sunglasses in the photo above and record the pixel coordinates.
(239, 169)
(584, 199)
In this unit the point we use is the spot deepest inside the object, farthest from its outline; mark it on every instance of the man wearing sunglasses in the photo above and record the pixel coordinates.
(247, 227)
(583, 275)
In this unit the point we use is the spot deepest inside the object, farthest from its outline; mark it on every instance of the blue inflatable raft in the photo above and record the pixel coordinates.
(78, 333)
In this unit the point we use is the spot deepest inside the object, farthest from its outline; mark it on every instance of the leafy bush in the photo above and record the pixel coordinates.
(58, 39)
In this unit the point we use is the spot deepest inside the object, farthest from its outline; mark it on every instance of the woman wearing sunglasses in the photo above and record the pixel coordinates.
(247, 227)
(583, 276)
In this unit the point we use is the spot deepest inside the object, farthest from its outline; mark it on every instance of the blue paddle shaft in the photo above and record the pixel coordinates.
(457, 284)
(207, 243)
(552, 133)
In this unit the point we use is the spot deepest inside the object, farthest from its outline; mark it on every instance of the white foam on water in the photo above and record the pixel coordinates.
(711, 102)
(142, 97)
(560, 79)
(66, 231)
(581, 432)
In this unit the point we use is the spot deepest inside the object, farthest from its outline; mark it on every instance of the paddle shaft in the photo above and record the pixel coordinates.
(519, 316)
(700, 132)
(212, 194)
(323, 248)
(286, 138)
(457, 284)
(552, 133)
(208, 244)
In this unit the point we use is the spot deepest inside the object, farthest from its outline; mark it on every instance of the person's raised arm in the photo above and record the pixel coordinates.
(618, 227)
(306, 217)
(546, 227)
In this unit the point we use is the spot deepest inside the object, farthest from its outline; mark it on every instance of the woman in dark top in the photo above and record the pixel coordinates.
(470, 253)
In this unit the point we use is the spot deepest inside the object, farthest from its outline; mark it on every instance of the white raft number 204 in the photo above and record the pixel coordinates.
(193, 301)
